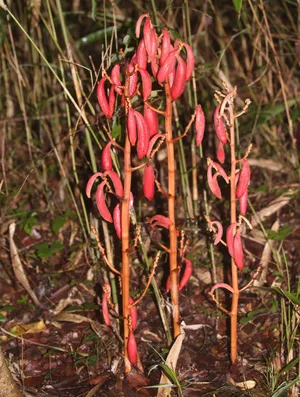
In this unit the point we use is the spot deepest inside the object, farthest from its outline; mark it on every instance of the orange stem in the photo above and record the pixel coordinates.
(125, 222)
(171, 212)
(234, 273)
(125, 225)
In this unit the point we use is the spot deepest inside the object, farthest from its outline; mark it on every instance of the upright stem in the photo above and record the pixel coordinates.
(234, 273)
(171, 212)
(125, 223)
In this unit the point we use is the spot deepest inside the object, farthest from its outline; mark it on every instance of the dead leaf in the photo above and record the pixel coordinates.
(72, 318)
(195, 327)
(265, 257)
(266, 163)
(247, 385)
(273, 207)
(31, 328)
(171, 362)
(69, 300)
(18, 267)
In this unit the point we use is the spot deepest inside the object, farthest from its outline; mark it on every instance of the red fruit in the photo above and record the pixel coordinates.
(219, 126)
(133, 78)
(244, 203)
(105, 311)
(111, 101)
(200, 125)
(219, 234)
(143, 135)
(146, 83)
(133, 314)
(117, 220)
(115, 78)
(116, 182)
(165, 46)
(187, 273)
(101, 204)
(171, 76)
(154, 67)
(190, 61)
(238, 250)
(102, 99)
(131, 126)
(149, 37)
(244, 179)
(151, 120)
(132, 348)
(138, 24)
(90, 183)
(221, 171)
(148, 182)
(221, 152)
(167, 67)
(160, 220)
(141, 55)
(213, 182)
(106, 157)
(154, 44)
(221, 285)
(229, 237)
(152, 143)
(179, 82)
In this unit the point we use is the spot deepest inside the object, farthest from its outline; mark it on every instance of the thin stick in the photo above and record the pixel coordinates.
(102, 251)
(154, 109)
(219, 305)
(149, 281)
(186, 128)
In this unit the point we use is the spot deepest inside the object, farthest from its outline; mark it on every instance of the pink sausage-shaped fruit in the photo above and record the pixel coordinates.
(187, 273)
(101, 204)
(148, 182)
(179, 82)
(141, 55)
(115, 78)
(167, 66)
(131, 126)
(244, 203)
(213, 182)
(199, 125)
(102, 98)
(229, 238)
(133, 314)
(219, 234)
(221, 152)
(143, 135)
(117, 220)
(219, 126)
(244, 179)
(238, 250)
(132, 348)
(106, 157)
(151, 120)
(116, 182)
